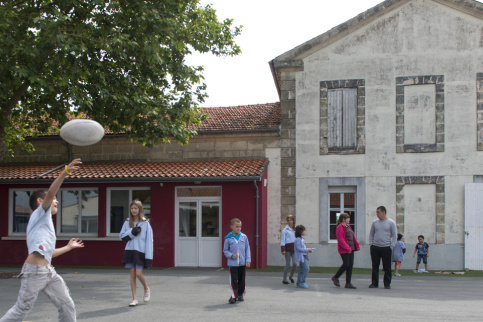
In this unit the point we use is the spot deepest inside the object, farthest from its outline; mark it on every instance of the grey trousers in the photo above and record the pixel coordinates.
(36, 278)
(288, 256)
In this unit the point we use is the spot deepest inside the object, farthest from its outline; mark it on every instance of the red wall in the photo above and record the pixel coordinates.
(238, 200)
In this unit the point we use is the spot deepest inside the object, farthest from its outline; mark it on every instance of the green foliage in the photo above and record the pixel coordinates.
(121, 62)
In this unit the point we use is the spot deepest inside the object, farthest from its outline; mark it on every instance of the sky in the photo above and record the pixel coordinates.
(270, 28)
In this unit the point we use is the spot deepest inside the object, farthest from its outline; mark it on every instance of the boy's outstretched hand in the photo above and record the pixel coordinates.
(74, 165)
(75, 243)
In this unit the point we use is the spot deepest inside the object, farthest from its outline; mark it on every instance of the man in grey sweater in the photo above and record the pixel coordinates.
(382, 238)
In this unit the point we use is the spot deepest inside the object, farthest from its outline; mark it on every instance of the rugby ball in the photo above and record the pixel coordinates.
(82, 132)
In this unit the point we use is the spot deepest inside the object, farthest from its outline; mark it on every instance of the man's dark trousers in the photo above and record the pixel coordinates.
(378, 253)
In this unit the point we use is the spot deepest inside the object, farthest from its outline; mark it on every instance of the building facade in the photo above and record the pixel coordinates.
(385, 109)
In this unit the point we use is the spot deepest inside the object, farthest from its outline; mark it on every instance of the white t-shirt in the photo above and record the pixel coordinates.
(41, 233)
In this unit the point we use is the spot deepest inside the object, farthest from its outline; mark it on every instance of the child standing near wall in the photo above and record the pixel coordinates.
(237, 252)
(301, 255)
(398, 253)
(422, 248)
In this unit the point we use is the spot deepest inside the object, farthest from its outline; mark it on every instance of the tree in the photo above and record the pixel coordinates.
(121, 62)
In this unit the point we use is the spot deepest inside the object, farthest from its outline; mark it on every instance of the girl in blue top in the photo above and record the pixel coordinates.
(301, 255)
(138, 235)
(287, 245)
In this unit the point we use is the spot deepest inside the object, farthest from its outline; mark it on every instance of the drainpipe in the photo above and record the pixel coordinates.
(256, 222)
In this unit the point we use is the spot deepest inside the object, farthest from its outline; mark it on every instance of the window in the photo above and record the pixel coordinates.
(78, 211)
(20, 210)
(342, 117)
(340, 203)
(118, 206)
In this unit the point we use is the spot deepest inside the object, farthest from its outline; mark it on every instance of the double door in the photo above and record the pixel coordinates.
(198, 232)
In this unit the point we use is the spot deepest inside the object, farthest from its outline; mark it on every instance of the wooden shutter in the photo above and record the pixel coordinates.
(334, 117)
(342, 117)
(349, 117)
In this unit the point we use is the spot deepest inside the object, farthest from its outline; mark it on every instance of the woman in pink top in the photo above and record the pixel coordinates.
(347, 244)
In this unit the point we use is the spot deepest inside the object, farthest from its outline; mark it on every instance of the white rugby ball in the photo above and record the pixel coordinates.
(82, 132)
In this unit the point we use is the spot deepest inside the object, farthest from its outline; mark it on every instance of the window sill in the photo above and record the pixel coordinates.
(86, 238)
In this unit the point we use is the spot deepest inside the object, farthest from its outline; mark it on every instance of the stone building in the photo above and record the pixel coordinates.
(386, 109)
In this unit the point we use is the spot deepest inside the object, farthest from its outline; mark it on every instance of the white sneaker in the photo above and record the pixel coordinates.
(133, 303)
(147, 296)
(397, 274)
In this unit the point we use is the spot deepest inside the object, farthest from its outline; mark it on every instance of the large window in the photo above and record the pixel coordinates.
(340, 202)
(78, 211)
(119, 200)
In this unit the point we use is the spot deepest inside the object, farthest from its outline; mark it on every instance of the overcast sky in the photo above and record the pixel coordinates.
(270, 28)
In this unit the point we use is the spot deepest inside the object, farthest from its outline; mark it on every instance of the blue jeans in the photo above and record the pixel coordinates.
(303, 271)
(289, 256)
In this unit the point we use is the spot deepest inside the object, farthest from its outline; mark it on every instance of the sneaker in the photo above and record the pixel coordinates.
(336, 281)
(232, 300)
(373, 286)
(285, 282)
(133, 303)
(349, 285)
(397, 274)
(147, 295)
(387, 287)
(291, 280)
(240, 298)
(303, 285)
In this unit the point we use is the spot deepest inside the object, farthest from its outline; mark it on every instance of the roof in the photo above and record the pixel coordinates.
(292, 59)
(260, 117)
(221, 170)
(257, 117)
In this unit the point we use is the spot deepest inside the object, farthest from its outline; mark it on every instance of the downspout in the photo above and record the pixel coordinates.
(256, 222)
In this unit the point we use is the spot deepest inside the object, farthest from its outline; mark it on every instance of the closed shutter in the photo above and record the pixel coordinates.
(342, 117)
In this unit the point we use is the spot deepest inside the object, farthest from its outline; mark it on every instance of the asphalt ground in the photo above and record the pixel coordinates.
(201, 294)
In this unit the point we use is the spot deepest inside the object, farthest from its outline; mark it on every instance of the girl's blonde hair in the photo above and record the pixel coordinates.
(291, 217)
(139, 205)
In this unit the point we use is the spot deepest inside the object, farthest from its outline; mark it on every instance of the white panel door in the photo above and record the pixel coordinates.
(198, 240)
(474, 226)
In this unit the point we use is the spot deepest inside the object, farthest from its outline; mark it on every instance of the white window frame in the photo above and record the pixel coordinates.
(341, 190)
(108, 205)
(59, 212)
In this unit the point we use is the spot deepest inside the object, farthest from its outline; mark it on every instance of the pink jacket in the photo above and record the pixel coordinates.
(342, 244)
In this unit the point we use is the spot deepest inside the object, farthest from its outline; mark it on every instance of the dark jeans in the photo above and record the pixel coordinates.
(347, 264)
(237, 281)
(378, 253)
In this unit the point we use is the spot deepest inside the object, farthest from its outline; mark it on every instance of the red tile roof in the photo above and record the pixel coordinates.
(223, 170)
(260, 117)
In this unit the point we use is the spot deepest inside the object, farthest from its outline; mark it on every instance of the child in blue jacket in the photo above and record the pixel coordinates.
(237, 252)
(301, 255)
(138, 236)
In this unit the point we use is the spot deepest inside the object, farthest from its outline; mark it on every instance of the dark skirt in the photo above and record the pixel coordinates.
(136, 258)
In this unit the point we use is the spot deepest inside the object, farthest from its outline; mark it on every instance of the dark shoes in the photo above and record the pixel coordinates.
(285, 282)
(373, 286)
(349, 285)
(232, 300)
(291, 280)
(387, 287)
(336, 281)
(240, 298)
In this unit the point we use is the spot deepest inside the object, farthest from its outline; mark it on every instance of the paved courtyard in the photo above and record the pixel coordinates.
(181, 294)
